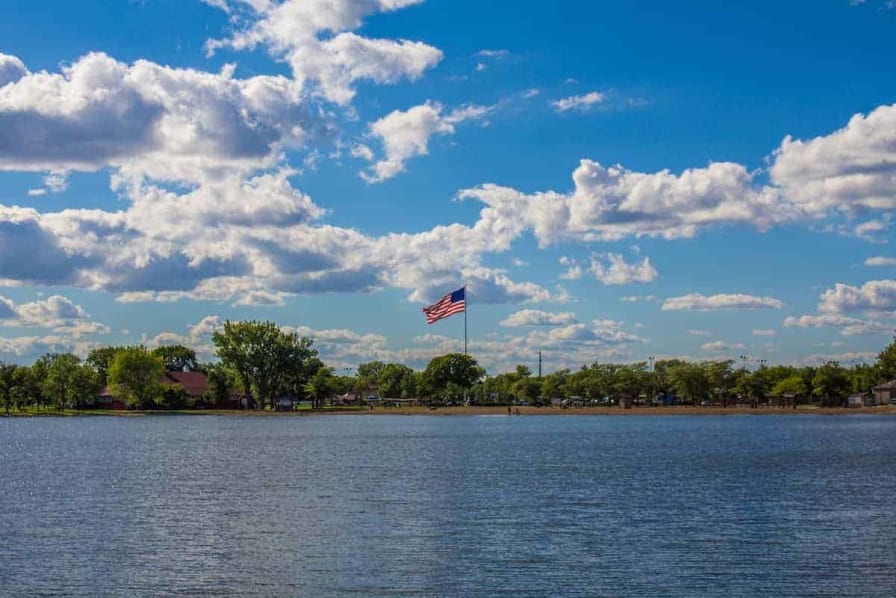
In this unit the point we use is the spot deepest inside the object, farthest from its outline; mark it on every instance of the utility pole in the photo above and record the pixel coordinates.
(539, 365)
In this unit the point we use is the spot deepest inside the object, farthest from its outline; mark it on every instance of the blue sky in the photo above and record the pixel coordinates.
(611, 180)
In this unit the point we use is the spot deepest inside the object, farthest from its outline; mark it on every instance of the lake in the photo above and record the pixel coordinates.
(448, 506)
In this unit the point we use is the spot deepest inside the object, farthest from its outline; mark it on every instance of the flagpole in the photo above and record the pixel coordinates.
(466, 309)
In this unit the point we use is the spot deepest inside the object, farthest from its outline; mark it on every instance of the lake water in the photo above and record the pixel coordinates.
(448, 506)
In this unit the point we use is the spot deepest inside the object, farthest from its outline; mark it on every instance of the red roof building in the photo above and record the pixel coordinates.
(195, 383)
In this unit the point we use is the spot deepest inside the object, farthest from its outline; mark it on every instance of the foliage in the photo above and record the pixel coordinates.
(177, 358)
(831, 384)
(450, 375)
(100, 359)
(793, 385)
(69, 382)
(135, 375)
(7, 375)
(267, 361)
(321, 386)
(886, 361)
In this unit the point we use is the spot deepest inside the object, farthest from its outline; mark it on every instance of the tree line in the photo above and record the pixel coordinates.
(260, 362)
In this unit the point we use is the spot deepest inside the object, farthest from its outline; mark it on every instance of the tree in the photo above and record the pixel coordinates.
(100, 359)
(68, 382)
(320, 386)
(886, 361)
(790, 386)
(177, 358)
(7, 384)
(690, 381)
(135, 374)
(266, 360)
(456, 369)
(831, 384)
(220, 384)
(396, 380)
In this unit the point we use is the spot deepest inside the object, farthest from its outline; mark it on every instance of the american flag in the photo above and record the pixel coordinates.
(450, 304)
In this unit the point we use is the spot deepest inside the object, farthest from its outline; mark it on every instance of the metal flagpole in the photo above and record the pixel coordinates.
(466, 309)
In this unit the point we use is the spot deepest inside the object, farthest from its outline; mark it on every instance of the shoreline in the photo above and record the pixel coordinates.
(473, 411)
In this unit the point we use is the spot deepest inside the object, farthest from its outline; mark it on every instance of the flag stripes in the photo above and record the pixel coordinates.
(452, 303)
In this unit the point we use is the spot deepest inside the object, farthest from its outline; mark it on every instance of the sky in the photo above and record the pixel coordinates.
(611, 181)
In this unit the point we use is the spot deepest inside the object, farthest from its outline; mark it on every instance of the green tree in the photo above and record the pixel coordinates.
(220, 384)
(321, 386)
(457, 369)
(267, 361)
(831, 384)
(69, 382)
(135, 375)
(177, 358)
(886, 361)
(100, 359)
(396, 380)
(793, 385)
(7, 384)
(691, 381)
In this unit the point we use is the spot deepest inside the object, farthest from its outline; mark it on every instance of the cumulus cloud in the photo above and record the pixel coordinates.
(25, 349)
(849, 326)
(56, 312)
(406, 134)
(534, 317)
(612, 269)
(697, 302)
(578, 102)
(315, 38)
(11, 69)
(873, 296)
(148, 119)
(852, 168)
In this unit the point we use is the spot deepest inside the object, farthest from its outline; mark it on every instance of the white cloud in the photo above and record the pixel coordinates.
(764, 332)
(852, 168)
(11, 69)
(207, 326)
(315, 38)
(873, 296)
(638, 298)
(534, 317)
(56, 312)
(697, 302)
(849, 326)
(578, 102)
(696, 332)
(406, 134)
(881, 261)
(616, 271)
(721, 347)
(148, 119)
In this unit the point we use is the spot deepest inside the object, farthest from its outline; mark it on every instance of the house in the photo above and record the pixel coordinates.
(885, 393)
(195, 385)
(855, 400)
(105, 400)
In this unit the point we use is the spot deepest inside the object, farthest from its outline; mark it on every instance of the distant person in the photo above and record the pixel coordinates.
(509, 412)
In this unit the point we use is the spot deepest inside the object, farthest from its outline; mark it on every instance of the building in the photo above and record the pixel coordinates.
(195, 385)
(885, 393)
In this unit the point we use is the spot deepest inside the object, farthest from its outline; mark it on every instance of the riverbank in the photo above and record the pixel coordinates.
(468, 411)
